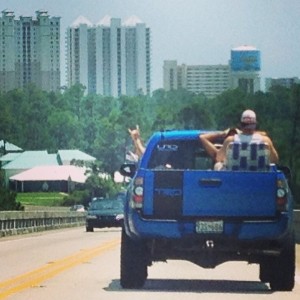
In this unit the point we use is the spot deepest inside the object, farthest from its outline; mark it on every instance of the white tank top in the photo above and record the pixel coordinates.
(248, 138)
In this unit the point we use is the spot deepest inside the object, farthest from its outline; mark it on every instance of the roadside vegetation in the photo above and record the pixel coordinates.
(105, 188)
(35, 120)
(41, 199)
(8, 198)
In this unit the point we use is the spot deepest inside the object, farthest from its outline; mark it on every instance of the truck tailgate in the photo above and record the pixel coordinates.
(191, 193)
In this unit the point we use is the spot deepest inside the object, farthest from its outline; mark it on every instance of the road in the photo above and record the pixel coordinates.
(73, 264)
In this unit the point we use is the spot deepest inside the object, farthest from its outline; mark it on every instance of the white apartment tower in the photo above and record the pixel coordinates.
(77, 52)
(29, 51)
(109, 58)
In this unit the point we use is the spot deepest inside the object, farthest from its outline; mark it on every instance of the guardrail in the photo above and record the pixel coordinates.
(20, 222)
(17, 222)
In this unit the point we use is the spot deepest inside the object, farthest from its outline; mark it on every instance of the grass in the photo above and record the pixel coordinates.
(41, 199)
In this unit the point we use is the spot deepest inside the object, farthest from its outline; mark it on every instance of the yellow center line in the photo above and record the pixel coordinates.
(37, 276)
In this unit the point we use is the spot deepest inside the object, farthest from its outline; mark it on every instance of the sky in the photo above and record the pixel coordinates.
(193, 32)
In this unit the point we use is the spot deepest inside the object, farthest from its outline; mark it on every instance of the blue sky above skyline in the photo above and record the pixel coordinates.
(196, 32)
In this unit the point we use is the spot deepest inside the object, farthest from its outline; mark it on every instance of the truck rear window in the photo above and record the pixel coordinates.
(180, 154)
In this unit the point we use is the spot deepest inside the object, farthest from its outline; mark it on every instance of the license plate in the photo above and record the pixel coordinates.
(209, 226)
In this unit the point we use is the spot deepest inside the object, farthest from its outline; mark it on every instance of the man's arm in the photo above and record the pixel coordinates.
(136, 138)
(207, 140)
(274, 157)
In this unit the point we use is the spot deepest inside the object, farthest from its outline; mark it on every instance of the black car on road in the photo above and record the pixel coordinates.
(104, 213)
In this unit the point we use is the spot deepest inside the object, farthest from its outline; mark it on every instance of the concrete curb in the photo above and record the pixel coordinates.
(21, 222)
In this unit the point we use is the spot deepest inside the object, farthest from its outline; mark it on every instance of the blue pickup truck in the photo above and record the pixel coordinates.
(178, 207)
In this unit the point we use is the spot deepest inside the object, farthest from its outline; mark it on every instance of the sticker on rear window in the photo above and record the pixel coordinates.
(170, 148)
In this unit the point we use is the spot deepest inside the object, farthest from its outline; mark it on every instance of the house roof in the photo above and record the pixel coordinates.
(52, 173)
(68, 155)
(30, 159)
(10, 156)
(9, 146)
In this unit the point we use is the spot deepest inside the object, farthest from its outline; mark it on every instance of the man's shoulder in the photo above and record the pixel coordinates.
(263, 133)
(266, 139)
(229, 139)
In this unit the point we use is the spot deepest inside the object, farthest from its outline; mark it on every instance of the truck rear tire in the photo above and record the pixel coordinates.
(283, 268)
(133, 262)
(265, 271)
(89, 228)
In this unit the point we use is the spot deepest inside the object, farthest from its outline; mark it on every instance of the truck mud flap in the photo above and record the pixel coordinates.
(168, 195)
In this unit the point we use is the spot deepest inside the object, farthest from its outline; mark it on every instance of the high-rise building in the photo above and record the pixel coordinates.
(211, 80)
(77, 37)
(171, 75)
(109, 58)
(245, 68)
(29, 51)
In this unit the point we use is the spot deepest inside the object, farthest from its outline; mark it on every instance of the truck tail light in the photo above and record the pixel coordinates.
(138, 192)
(281, 199)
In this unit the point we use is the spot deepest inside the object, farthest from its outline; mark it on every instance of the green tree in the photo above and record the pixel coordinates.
(131, 111)
(110, 144)
(74, 97)
(7, 197)
(99, 183)
(36, 110)
(64, 129)
(228, 107)
(294, 157)
(195, 114)
(12, 105)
